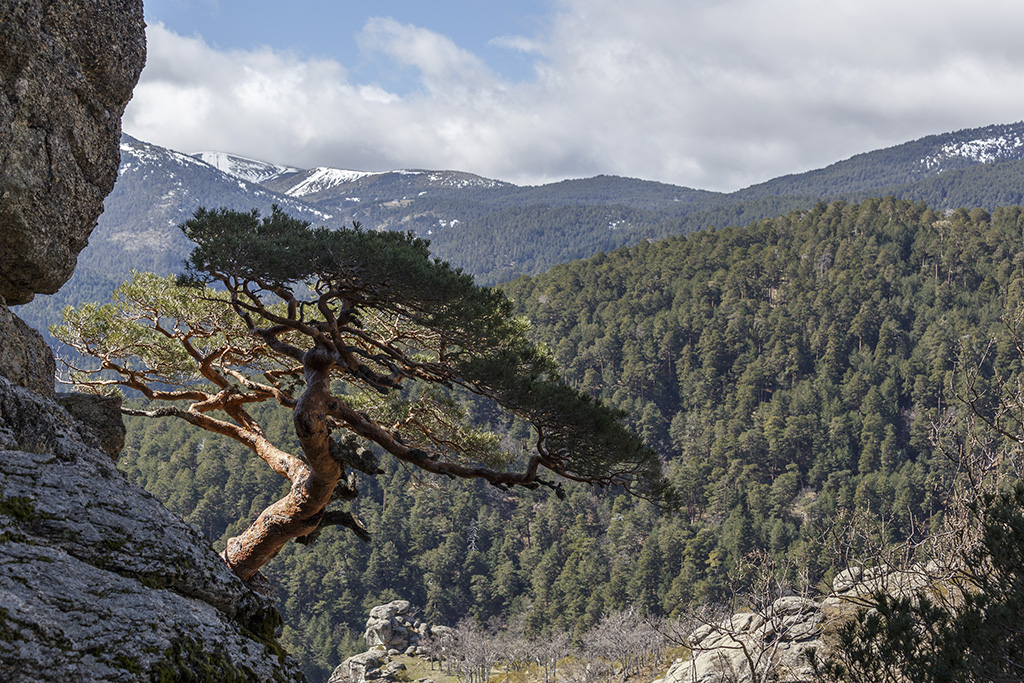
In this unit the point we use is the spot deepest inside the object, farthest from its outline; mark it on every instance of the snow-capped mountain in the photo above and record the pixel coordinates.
(321, 179)
(158, 188)
(338, 189)
(139, 156)
(498, 231)
(244, 168)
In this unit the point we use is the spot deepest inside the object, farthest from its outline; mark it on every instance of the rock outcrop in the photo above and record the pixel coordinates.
(98, 581)
(744, 646)
(100, 416)
(391, 629)
(367, 666)
(67, 70)
(25, 359)
(776, 640)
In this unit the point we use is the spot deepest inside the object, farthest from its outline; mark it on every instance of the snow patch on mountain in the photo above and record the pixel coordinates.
(323, 178)
(244, 168)
(461, 180)
(980, 150)
(141, 154)
(159, 162)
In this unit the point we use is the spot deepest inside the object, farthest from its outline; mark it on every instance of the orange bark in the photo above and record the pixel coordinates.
(300, 512)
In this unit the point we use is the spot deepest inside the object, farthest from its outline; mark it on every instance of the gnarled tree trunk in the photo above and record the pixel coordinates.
(301, 511)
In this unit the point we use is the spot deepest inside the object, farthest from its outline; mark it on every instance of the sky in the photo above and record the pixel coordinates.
(711, 94)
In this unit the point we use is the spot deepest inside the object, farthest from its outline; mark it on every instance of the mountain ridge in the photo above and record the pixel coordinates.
(929, 155)
(498, 231)
(244, 168)
(904, 163)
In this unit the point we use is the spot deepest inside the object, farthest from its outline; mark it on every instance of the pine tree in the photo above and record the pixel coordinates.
(360, 334)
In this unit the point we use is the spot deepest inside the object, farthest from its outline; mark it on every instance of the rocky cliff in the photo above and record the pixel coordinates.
(98, 581)
(66, 74)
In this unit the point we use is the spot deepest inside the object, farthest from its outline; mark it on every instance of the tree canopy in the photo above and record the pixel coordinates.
(369, 341)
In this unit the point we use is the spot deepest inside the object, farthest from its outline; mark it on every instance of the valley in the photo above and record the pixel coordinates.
(789, 353)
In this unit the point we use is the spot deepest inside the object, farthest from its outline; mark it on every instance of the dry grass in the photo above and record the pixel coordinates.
(416, 668)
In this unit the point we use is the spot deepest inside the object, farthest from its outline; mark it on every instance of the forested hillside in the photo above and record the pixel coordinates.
(790, 372)
(529, 240)
(990, 185)
(798, 364)
(733, 318)
(875, 173)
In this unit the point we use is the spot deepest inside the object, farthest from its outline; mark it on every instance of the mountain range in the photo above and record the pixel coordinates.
(496, 230)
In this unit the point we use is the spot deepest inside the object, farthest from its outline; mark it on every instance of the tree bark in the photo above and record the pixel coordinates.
(300, 512)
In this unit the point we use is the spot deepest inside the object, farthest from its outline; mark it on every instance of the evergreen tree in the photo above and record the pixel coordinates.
(377, 336)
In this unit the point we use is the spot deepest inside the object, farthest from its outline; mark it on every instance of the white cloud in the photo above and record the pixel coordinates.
(517, 43)
(447, 71)
(707, 93)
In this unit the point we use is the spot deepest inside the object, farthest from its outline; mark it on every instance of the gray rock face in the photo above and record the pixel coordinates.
(99, 581)
(67, 70)
(100, 416)
(25, 359)
(775, 642)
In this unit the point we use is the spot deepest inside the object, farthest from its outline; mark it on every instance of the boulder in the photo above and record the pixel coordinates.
(67, 70)
(101, 417)
(361, 667)
(775, 640)
(861, 582)
(778, 639)
(372, 665)
(390, 627)
(847, 579)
